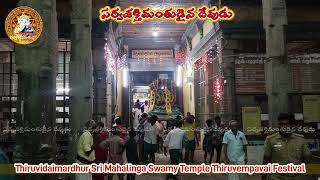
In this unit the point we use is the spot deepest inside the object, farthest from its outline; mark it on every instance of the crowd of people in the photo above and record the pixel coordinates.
(180, 141)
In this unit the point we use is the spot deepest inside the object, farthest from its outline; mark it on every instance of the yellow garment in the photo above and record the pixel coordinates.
(189, 128)
(84, 145)
(152, 101)
(168, 102)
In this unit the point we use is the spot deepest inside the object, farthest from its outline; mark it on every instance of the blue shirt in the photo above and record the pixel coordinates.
(235, 146)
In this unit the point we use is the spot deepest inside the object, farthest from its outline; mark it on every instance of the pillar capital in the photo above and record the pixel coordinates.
(274, 13)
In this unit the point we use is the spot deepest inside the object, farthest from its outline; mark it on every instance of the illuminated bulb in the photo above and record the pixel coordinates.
(63, 90)
(155, 33)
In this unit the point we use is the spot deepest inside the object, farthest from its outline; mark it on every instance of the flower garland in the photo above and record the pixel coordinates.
(217, 90)
(111, 63)
(208, 58)
(181, 56)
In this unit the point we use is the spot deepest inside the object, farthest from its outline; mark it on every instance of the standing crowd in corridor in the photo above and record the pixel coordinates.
(180, 142)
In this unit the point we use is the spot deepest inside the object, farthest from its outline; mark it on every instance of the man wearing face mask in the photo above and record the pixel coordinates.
(285, 147)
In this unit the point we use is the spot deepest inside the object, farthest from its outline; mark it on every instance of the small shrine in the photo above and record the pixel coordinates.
(162, 99)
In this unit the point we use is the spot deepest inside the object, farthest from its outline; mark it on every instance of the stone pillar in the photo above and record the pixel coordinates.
(110, 98)
(80, 70)
(277, 65)
(36, 68)
(119, 92)
(100, 82)
(229, 94)
(228, 71)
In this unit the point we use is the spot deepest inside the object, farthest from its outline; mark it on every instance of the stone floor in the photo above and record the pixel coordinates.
(162, 159)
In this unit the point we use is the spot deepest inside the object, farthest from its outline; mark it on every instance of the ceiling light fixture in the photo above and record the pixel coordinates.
(155, 33)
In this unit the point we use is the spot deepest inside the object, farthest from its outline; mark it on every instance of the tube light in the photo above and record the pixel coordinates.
(179, 76)
(125, 77)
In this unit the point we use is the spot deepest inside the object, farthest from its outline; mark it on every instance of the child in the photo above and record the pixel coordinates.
(132, 152)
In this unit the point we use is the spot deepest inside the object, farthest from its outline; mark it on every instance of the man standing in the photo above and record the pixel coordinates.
(218, 132)
(207, 141)
(115, 146)
(140, 130)
(85, 149)
(235, 148)
(101, 154)
(137, 104)
(136, 113)
(160, 135)
(145, 107)
(173, 142)
(192, 139)
(132, 152)
(122, 131)
(285, 147)
(150, 140)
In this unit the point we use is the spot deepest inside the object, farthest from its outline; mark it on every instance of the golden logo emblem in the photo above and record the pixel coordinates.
(23, 25)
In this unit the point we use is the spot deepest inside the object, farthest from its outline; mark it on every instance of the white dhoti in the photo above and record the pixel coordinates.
(137, 114)
(236, 176)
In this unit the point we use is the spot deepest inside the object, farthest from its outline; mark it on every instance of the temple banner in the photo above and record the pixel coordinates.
(311, 106)
(153, 54)
(251, 119)
(250, 73)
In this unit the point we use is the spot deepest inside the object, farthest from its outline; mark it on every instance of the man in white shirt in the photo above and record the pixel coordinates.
(174, 142)
(235, 148)
(160, 134)
(146, 107)
(136, 116)
(150, 140)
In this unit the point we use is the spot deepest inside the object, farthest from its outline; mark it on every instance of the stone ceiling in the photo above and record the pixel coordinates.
(168, 33)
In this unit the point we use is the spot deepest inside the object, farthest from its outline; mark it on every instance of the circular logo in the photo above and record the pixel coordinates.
(23, 25)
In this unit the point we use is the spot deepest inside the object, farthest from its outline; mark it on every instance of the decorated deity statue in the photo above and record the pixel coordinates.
(24, 26)
(162, 98)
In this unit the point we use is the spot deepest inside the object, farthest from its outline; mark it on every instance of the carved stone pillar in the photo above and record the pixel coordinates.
(229, 97)
(36, 69)
(100, 81)
(277, 66)
(80, 70)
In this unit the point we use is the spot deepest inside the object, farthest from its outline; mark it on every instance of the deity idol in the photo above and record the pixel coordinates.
(24, 26)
